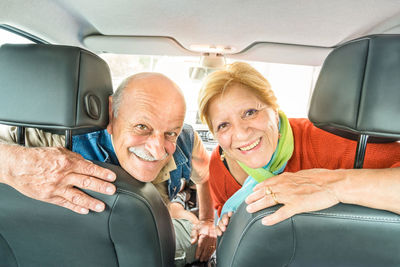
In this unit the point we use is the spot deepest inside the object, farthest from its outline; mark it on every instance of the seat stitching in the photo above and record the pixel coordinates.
(354, 217)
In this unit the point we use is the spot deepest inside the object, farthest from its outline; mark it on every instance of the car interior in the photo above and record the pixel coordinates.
(334, 62)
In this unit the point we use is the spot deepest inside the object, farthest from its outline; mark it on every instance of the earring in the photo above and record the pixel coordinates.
(222, 157)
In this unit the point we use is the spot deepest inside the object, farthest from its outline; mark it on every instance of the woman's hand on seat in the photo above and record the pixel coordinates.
(303, 191)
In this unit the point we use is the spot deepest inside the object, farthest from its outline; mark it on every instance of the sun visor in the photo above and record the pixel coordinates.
(136, 45)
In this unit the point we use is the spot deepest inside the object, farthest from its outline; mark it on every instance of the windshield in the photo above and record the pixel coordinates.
(292, 84)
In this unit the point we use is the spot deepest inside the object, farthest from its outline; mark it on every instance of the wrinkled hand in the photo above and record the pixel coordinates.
(223, 223)
(51, 174)
(303, 191)
(204, 233)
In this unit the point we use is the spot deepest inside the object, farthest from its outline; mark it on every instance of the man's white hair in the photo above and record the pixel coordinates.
(117, 96)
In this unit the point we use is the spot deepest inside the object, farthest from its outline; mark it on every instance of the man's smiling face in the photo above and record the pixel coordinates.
(149, 120)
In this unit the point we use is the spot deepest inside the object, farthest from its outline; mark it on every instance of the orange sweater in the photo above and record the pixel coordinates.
(313, 148)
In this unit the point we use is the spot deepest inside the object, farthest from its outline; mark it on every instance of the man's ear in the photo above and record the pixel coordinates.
(110, 115)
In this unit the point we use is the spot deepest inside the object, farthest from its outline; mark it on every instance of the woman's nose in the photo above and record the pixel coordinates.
(241, 130)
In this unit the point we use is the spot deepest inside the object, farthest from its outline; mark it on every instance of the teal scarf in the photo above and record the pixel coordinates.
(275, 166)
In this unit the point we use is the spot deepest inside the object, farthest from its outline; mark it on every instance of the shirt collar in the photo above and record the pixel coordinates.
(178, 159)
(179, 156)
(164, 175)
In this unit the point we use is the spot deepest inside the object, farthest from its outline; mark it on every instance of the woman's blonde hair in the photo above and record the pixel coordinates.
(237, 73)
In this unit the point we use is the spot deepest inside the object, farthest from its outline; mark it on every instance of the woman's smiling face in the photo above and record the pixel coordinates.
(245, 127)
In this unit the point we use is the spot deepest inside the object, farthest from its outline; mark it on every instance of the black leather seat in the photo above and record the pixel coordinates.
(67, 89)
(357, 96)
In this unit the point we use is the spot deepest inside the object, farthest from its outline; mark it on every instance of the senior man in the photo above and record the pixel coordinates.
(145, 136)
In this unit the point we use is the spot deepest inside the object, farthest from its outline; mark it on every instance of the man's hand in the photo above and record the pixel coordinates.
(203, 231)
(53, 174)
(205, 234)
(223, 223)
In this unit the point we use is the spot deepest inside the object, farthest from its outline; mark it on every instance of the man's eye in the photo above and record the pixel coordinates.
(171, 134)
(250, 112)
(141, 127)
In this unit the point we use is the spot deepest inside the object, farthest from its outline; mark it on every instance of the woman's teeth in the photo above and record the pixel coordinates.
(251, 146)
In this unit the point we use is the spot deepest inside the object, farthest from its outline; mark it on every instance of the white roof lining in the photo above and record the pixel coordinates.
(253, 29)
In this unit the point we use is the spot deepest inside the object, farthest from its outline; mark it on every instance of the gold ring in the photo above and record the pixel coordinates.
(268, 191)
(274, 198)
(212, 247)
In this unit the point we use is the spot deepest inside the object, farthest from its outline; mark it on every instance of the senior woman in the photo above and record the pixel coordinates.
(265, 158)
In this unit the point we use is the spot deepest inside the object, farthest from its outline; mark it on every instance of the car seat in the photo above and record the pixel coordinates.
(357, 96)
(63, 88)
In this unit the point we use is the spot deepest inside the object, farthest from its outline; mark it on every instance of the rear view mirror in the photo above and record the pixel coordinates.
(197, 73)
(209, 62)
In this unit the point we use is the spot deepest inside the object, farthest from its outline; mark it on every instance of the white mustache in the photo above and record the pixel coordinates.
(144, 154)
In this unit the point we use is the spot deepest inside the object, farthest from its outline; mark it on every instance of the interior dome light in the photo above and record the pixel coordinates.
(220, 49)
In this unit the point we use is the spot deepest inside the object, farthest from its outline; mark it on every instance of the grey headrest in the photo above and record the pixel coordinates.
(49, 86)
(358, 89)
(342, 235)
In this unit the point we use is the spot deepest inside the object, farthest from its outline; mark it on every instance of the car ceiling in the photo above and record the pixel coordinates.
(283, 31)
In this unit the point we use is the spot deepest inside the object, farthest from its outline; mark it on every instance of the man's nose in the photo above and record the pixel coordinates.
(155, 146)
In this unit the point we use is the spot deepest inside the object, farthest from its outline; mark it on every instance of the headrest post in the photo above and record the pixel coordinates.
(360, 151)
(21, 135)
(68, 139)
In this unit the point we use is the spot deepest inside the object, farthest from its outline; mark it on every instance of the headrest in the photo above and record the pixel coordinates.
(358, 89)
(342, 235)
(51, 86)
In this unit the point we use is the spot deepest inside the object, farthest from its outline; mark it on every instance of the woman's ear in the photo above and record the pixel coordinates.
(277, 116)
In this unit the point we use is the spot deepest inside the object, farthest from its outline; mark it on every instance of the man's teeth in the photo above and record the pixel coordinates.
(251, 146)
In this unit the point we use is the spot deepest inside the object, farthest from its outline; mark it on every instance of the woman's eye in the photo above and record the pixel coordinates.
(250, 112)
(222, 126)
